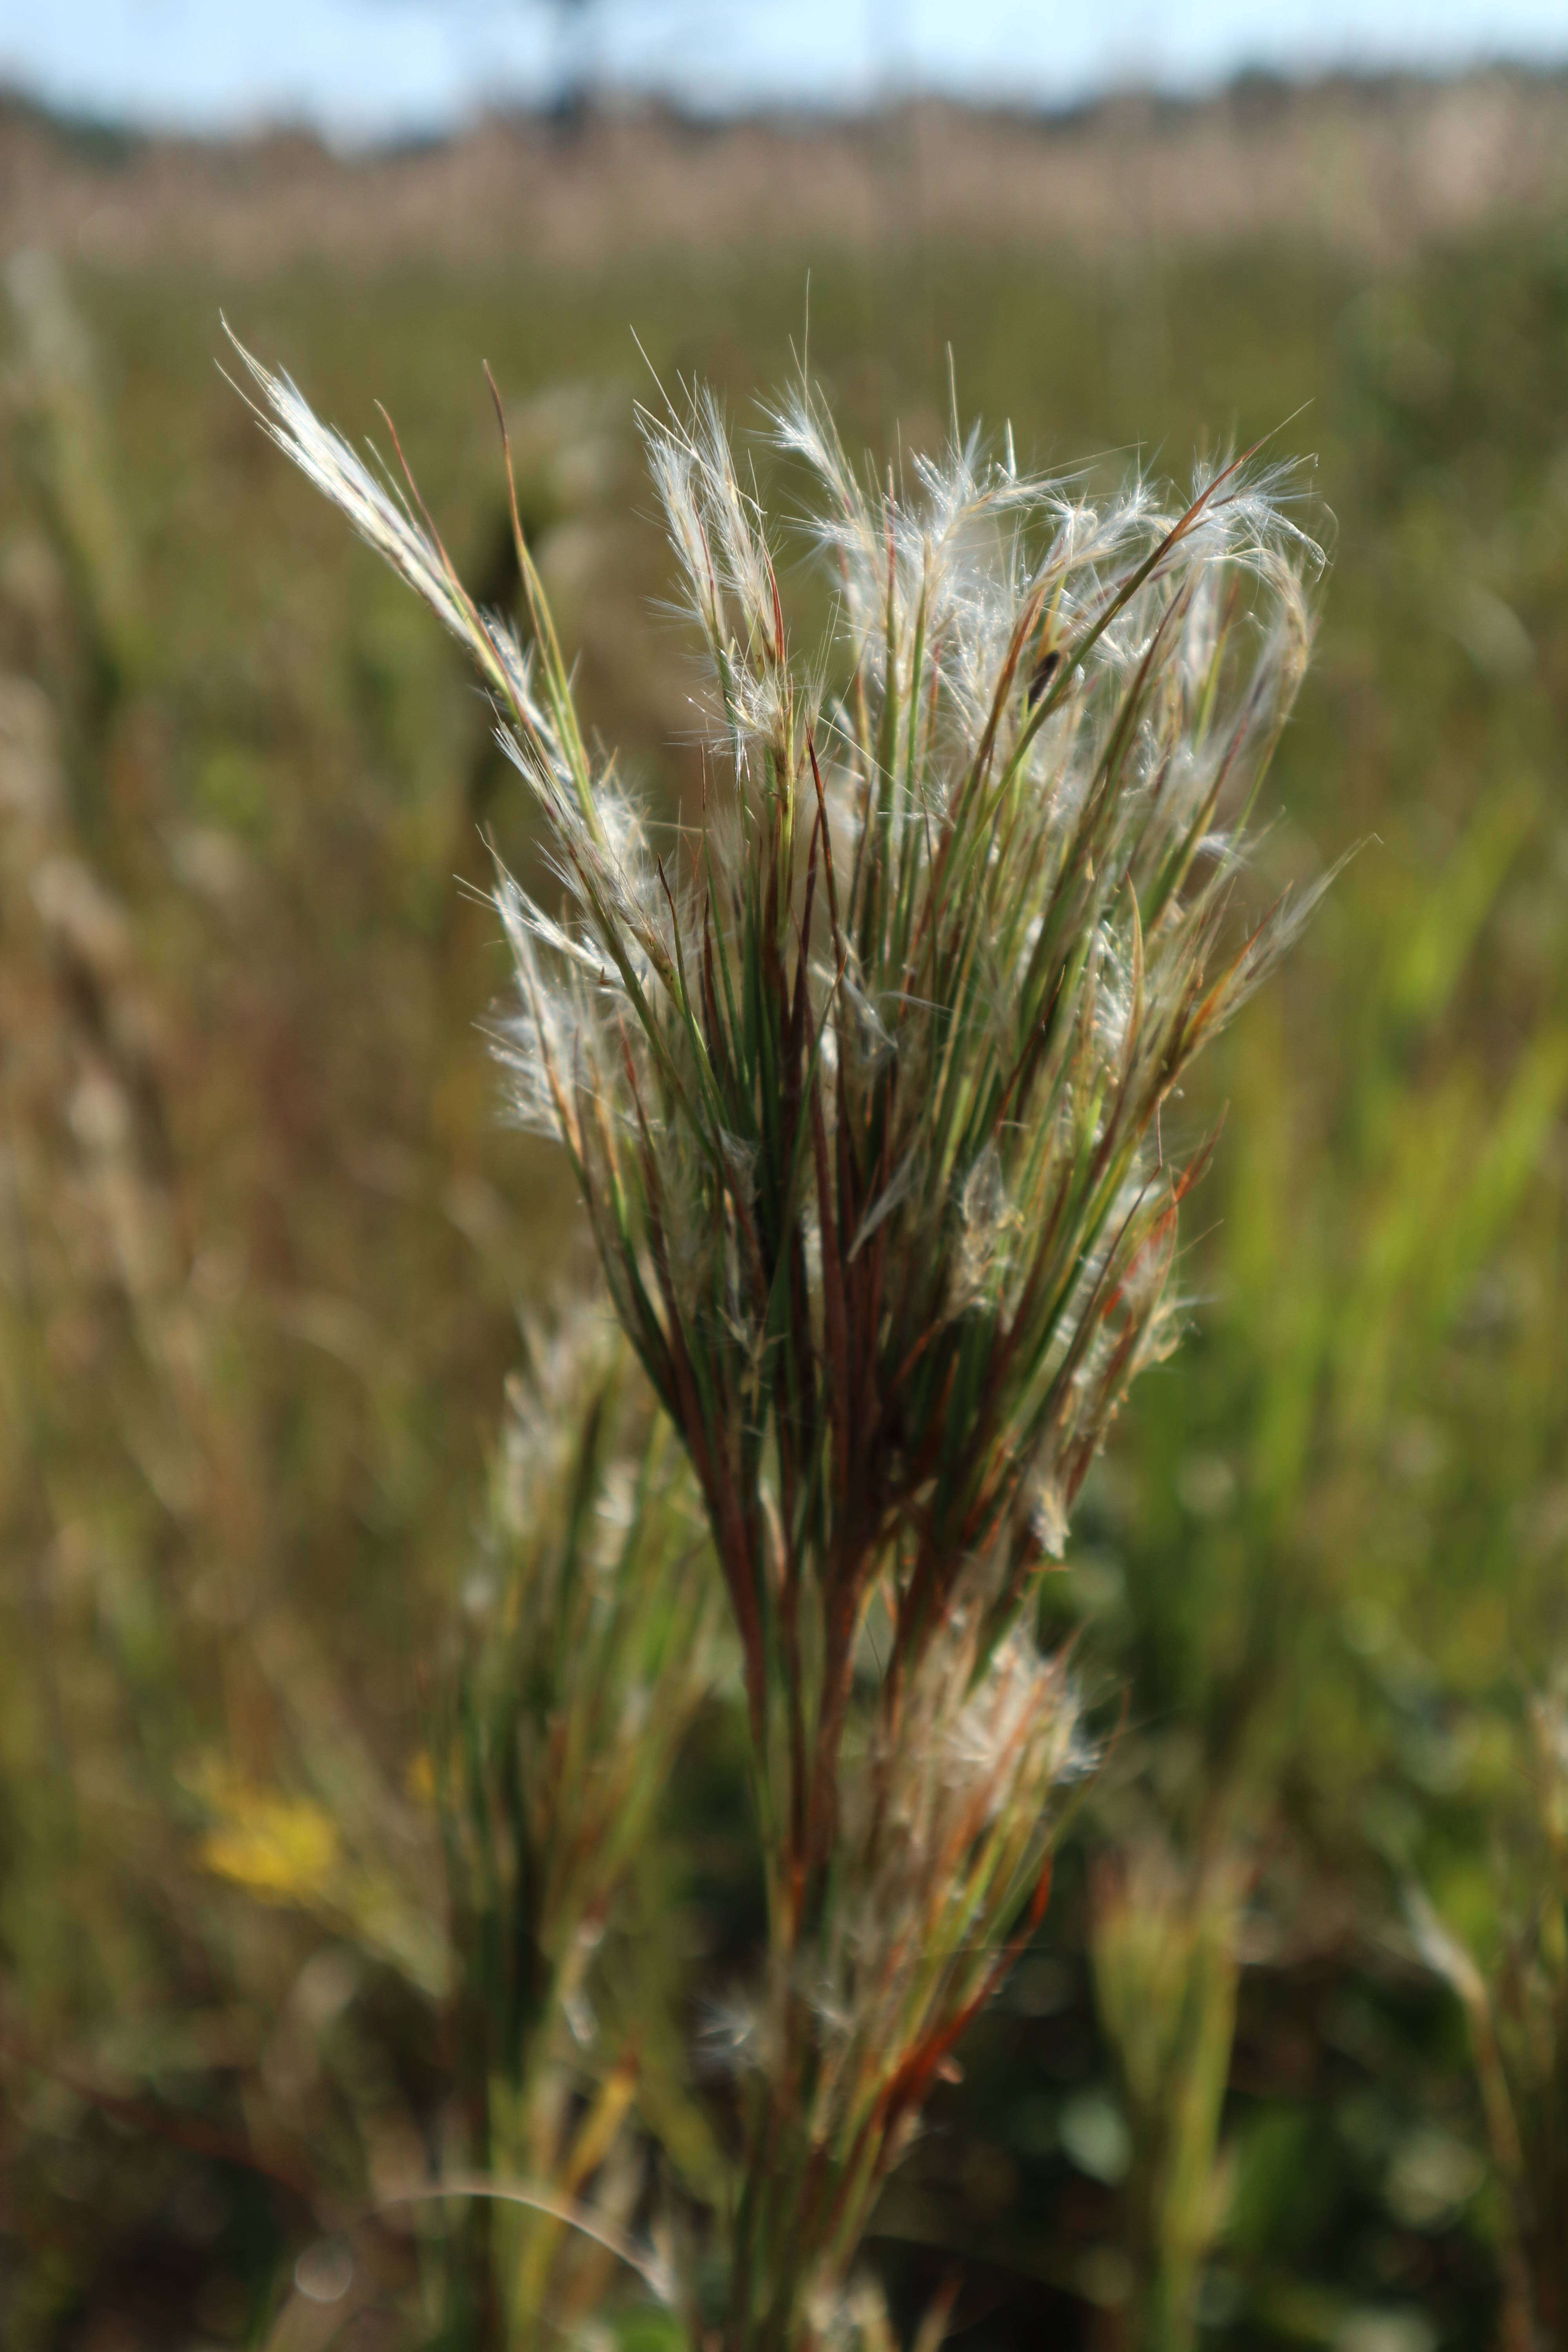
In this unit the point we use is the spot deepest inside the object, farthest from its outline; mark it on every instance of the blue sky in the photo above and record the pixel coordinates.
(371, 68)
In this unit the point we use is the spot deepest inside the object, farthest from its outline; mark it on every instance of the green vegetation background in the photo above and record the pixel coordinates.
(240, 1480)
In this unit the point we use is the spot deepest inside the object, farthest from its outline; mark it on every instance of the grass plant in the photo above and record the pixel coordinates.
(592, 1641)
(862, 1084)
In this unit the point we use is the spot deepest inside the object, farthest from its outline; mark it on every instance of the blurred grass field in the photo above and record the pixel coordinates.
(262, 1239)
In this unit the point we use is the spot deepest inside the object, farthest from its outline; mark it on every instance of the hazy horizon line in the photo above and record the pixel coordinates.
(612, 100)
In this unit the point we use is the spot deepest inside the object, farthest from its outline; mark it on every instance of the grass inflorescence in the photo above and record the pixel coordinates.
(862, 1083)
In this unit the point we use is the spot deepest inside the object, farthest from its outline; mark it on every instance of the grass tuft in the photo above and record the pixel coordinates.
(863, 1087)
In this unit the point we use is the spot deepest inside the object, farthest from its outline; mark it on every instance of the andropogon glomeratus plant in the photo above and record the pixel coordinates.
(590, 1634)
(593, 1639)
(862, 1084)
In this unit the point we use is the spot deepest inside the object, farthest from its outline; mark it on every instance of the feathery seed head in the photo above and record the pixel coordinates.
(863, 1101)
(863, 1098)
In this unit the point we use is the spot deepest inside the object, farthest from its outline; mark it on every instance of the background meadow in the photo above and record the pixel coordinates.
(263, 1241)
